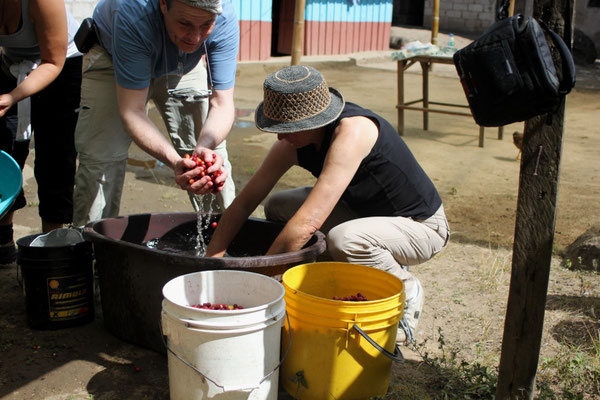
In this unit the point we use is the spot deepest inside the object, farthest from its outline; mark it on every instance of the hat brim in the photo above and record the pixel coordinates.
(325, 117)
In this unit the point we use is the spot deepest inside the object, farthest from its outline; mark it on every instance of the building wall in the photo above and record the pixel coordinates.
(255, 28)
(474, 16)
(254, 19)
(346, 26)
(468, 16)
(587, 18)
(331, 27)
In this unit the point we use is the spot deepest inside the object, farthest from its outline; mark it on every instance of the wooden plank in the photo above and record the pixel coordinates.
(433, 110)
(401, 64)
(425, 70)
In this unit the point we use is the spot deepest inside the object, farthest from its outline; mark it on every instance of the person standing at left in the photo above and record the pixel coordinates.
(40, 83)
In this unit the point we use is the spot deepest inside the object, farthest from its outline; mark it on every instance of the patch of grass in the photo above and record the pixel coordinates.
(448, 377)
(574, 372)
(458, 379)
(495, 271)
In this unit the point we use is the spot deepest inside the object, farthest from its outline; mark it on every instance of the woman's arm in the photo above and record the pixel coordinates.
(50, 19)
(280, 158)
(352, 141)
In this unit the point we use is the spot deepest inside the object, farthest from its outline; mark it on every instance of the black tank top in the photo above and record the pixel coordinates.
(389, 180)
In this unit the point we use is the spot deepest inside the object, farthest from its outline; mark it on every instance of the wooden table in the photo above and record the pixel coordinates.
(426, 62)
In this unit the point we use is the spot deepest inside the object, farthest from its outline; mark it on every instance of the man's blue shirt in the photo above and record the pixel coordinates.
(133, 32)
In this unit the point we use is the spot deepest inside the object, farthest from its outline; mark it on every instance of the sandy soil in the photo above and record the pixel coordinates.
(466, 285)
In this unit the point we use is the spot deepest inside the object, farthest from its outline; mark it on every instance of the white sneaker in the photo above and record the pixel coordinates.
(407, 327)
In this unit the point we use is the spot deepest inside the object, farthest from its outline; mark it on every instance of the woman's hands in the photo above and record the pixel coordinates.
(6, 102)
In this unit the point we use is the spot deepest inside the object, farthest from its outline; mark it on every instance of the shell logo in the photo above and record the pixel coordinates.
(53, 284)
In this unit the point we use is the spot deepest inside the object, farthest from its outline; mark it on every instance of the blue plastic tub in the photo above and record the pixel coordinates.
(10, 183)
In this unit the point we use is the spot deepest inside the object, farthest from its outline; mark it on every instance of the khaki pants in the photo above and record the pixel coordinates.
(103, 144)
(386, 243)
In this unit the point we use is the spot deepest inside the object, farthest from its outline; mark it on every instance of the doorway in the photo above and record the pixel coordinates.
(408, 12)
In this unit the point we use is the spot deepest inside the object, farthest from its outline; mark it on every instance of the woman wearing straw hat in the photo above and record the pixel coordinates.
(372, 198)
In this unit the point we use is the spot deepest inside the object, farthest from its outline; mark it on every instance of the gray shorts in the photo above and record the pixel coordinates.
(386, 243)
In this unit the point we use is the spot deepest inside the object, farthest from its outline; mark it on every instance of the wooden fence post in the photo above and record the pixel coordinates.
(534, 231)
(298, 32)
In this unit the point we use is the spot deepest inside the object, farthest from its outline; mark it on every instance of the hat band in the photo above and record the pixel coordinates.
(290, 107)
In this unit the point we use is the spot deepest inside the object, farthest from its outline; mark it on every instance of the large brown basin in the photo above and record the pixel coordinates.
(131, 275)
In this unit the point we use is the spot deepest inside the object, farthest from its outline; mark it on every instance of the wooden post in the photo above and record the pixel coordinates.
(435, 21)
(298, 33)
(534, 232)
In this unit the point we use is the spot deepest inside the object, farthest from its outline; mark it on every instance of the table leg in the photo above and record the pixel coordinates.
(425, 69)
(400, 73)
(481, 135)
(500, 132)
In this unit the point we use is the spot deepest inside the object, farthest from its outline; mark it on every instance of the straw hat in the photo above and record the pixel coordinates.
(297, 98)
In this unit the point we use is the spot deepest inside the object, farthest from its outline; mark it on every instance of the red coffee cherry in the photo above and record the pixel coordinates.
(204, 166)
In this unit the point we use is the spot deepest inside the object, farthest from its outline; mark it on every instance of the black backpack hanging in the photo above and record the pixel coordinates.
(508, 74)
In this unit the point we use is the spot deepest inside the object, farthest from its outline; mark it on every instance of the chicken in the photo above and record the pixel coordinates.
(518, 141)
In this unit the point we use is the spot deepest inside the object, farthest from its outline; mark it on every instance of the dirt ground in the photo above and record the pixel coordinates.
(466, 286)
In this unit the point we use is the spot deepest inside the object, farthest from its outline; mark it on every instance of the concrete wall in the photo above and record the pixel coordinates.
(588, 20)
(467, 16)
(474, 16)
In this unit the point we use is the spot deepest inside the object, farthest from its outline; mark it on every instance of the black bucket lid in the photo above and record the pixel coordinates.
(66, 252)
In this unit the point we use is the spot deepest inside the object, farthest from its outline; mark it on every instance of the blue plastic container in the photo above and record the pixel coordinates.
(10, 182)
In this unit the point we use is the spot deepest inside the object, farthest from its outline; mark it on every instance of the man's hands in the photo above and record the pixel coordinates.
(201, 179)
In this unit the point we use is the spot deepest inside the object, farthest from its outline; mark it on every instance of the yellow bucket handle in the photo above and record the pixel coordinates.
(396, 356)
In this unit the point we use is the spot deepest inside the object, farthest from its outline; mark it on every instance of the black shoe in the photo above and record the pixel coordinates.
(8, 253)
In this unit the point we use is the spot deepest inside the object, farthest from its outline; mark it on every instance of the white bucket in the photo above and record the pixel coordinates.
(225, 355)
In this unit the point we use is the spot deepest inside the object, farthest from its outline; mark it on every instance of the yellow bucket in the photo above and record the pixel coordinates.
(340, 349)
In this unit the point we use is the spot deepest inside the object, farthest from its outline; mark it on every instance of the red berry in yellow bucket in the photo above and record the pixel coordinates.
(355, 297)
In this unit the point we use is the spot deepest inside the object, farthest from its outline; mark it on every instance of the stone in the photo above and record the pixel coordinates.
(584, 252)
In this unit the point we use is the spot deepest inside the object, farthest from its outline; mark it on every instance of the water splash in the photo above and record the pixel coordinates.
(204, 219)
(152, 243)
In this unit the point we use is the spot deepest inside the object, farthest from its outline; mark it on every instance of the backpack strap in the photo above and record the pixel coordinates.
(568, 65)
(503, 6)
